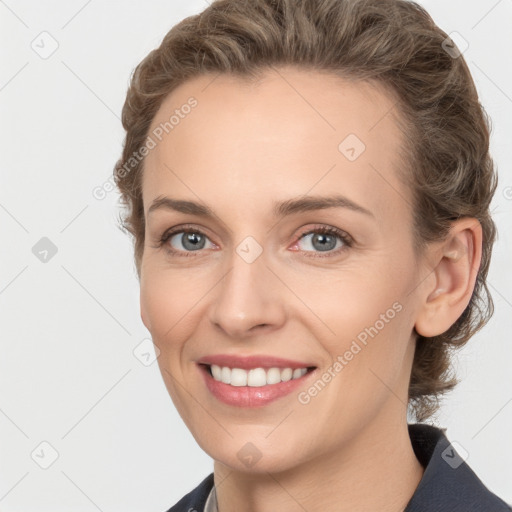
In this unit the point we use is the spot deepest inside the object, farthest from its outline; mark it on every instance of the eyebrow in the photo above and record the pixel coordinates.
(279, 209)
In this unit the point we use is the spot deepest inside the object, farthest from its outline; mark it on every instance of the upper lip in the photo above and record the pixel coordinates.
(249, 362)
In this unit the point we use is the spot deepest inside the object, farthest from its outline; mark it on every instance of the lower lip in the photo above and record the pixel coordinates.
(249, 396)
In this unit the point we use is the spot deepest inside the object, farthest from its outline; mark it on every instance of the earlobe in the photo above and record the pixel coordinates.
(447, 293)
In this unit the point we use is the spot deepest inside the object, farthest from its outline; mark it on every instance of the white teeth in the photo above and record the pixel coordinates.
(256, 377)
(225, 376)
(238, 377)
(217, 372)
(299, 372)
(286, 374)
(273, 376)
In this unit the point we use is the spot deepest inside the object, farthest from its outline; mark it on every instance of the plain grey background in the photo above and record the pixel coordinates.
(85, 422)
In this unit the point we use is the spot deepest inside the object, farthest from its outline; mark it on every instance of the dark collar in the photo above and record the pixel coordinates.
(448, 483)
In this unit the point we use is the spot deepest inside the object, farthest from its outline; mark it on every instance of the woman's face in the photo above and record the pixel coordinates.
(253, 274)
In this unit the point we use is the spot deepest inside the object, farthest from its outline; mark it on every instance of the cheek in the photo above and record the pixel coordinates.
(167, 303)
(349, 300)
(360, 316)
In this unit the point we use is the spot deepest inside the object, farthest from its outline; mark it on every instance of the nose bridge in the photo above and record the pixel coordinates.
(247, 295)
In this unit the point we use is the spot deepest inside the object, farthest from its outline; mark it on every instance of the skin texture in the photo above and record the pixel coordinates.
(242, 148)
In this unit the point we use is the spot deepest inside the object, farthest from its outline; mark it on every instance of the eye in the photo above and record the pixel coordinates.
(324, 239)
(184, 241)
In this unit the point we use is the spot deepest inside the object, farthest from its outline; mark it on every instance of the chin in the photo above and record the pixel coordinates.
(266, 464)
(249, 455)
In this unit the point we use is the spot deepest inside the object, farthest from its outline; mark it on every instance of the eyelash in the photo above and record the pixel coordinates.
(329, 230)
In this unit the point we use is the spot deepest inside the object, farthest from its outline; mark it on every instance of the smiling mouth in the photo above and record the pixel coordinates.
(255, 377)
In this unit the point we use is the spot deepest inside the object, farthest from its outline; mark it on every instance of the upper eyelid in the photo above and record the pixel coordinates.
(191, 229)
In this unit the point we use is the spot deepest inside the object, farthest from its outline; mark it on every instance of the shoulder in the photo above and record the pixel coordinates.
(195, 500)
(448, 483)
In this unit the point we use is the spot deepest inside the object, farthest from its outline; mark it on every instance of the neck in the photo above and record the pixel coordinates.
(376, 470)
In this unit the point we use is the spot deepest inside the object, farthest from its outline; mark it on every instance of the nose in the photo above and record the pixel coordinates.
(249, 299)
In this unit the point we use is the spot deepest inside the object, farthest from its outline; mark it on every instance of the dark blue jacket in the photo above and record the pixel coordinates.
(448, 483)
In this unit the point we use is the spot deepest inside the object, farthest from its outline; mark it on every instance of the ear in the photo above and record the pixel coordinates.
(450, 285)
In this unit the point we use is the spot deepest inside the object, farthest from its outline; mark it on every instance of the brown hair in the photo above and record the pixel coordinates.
(394, 43)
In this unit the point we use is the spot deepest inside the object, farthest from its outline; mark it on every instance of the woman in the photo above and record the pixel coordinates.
(308, 186)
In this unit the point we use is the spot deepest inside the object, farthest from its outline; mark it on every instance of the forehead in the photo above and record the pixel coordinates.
(289, 133)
